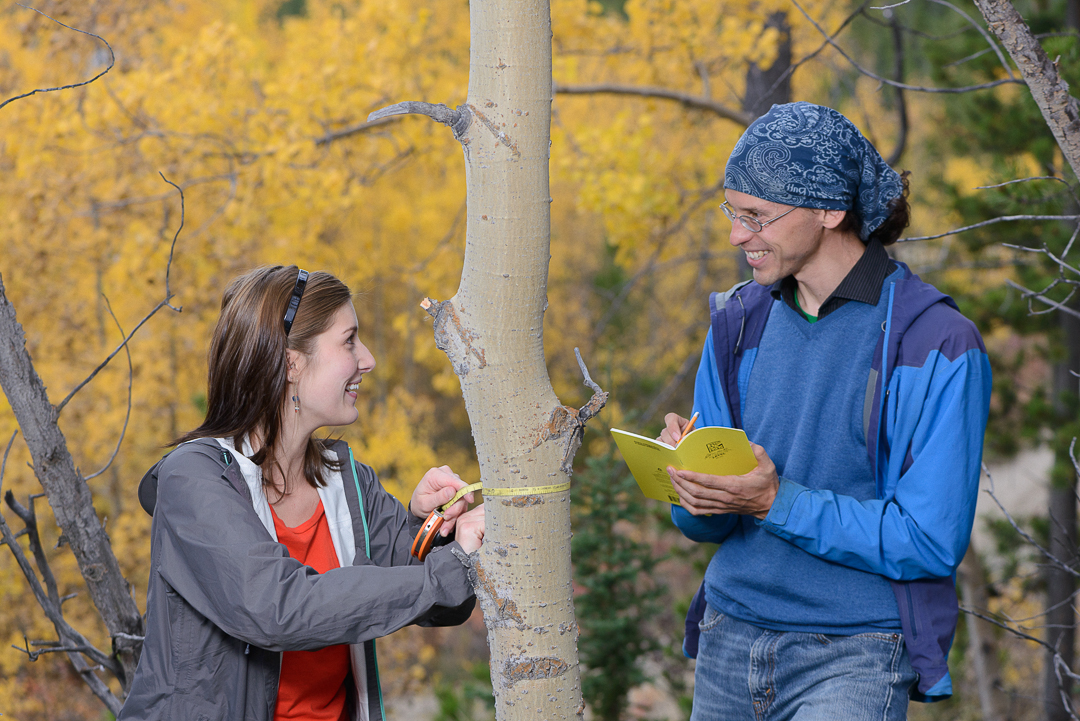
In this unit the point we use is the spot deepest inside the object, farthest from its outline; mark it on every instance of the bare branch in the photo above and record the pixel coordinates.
(1024, 180)
(1062, 265)
(1049, 90)
(127, 417)
(893, 83)
(795, 66)
(1038, 295)
(1072, 239)
(354, 129)
(1024, 534)
(172, 247)
(1011, 629)
(28, 515)
(44, 647)
(163, 304)
(7, 450)
(97, 686)
(1072, 446)
(1000, 219)
(963, 60)
(51, 611)
(112, 61)
(581, 416)
(585, 372)
(898, 74)
(1063, 686)
(697, 102)
(982, 31)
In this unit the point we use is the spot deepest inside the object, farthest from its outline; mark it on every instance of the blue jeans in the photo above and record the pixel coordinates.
(747, 673)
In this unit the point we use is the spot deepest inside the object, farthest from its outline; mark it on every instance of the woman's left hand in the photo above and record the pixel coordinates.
(436, 488)
(471, 529)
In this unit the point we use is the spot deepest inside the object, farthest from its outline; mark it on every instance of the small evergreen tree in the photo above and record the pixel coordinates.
(617, 593)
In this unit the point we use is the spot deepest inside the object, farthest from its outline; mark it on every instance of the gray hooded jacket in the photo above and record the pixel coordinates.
(225, 599)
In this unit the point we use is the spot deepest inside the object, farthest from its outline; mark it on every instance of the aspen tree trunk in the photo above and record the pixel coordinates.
(982, 648)
(492, 332)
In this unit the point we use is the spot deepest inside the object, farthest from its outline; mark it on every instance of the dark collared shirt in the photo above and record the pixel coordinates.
(862, 283)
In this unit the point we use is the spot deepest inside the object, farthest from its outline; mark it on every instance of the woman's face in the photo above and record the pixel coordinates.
(327, 380)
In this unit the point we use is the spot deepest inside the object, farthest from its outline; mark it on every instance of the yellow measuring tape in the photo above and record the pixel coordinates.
(425, 539)
(526, 491)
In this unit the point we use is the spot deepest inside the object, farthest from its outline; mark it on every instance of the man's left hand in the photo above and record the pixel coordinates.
(751, 494)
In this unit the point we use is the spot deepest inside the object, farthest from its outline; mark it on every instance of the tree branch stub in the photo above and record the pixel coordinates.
(457, 119)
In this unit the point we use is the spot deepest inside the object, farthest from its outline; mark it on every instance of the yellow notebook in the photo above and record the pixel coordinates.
(711, 449)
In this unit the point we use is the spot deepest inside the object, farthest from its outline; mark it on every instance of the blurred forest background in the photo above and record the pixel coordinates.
(256, 109)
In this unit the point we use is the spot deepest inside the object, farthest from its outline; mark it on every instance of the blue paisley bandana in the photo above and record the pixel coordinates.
(813, 157)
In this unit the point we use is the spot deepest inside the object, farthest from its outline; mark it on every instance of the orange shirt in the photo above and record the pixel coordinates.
(312, 685)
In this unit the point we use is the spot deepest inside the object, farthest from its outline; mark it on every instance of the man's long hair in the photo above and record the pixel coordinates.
(890, 229)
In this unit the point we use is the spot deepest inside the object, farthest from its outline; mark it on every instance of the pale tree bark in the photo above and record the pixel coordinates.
(492, 332)
(1048, 88)
(982, 648)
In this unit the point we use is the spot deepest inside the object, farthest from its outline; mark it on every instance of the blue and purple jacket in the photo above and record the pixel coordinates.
(925, 413)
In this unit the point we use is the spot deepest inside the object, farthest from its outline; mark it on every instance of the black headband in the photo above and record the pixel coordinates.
(294, 301)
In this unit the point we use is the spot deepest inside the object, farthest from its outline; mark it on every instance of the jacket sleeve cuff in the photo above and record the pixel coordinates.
(781, 507)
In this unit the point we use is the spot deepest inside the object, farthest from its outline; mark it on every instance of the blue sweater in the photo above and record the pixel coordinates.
(804, 405)
(926, 402)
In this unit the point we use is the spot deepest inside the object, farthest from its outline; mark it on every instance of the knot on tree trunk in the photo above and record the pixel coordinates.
(453, 338)
(533, 668)
(499, 610)
(569, 423)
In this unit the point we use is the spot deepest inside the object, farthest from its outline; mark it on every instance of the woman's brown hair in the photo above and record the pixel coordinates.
(247, 384)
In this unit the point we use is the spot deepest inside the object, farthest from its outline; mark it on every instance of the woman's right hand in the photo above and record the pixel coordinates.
(470, 529)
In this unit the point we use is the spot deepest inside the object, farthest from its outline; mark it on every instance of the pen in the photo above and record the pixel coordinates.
(690, 425)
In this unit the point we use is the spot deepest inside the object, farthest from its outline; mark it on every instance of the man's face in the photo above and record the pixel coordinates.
(789, 246)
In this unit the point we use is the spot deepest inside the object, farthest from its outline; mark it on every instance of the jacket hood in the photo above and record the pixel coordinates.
(149, 484)
(148, 488)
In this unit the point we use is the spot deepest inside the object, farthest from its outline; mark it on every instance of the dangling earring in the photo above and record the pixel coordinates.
(296, 404)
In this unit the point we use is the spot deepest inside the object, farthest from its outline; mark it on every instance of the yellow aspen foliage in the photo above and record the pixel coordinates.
(259, 116)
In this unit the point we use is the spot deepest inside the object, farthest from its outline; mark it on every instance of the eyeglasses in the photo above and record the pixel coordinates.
(749, 222)
(294, 301)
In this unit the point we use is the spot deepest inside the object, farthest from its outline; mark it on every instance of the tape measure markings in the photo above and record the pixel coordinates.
(527, 491)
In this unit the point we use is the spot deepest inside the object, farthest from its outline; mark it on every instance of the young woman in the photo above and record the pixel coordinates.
(276, 558)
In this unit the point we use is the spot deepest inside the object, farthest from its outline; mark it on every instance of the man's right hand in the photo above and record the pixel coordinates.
(673, 431)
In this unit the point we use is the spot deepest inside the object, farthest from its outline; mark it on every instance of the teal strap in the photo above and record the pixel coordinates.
(367, 552)
(378, 683)
(360, 498)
